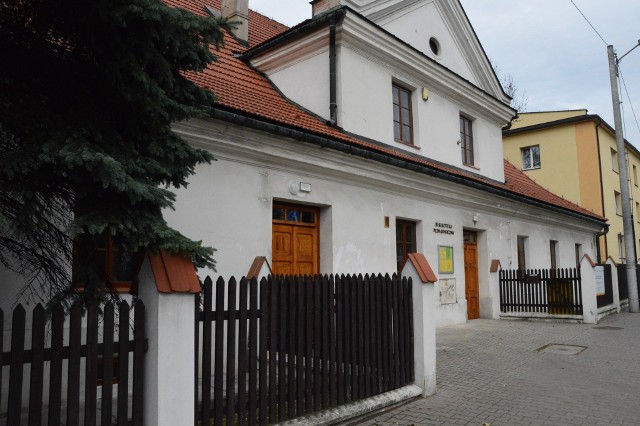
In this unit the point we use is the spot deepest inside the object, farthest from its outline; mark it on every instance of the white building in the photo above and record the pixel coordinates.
(368, 132)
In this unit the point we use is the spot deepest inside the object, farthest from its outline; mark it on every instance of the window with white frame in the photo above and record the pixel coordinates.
(531, 157)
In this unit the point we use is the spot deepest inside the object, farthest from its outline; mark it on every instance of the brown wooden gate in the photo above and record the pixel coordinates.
(290, 346)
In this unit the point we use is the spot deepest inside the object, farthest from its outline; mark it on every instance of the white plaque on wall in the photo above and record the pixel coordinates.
(447, 291)
(600, 289)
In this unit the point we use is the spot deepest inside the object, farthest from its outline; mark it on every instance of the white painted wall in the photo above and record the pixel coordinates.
(417, 24)
(228, 206)
(306, 82)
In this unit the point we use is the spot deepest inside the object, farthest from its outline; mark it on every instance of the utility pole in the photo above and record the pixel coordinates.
(629, 243)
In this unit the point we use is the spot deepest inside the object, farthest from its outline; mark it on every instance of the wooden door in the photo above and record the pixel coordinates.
(471, 279)
(295, 248)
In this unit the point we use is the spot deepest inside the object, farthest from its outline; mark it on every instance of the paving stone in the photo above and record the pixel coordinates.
(492, 372)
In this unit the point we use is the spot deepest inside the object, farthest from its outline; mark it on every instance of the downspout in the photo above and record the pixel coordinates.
(333, 102)
(601, 234)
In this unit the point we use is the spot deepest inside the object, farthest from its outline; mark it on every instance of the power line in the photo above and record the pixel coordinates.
(590, 24)
(624, 84)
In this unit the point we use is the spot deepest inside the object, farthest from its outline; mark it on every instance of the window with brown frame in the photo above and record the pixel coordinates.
(405, 241)
(466, 140)
(120, 266)
(402, 115)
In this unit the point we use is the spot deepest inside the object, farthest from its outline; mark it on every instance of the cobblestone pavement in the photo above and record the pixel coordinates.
(492, 372)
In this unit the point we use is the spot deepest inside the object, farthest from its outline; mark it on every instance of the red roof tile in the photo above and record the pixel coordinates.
(243, 90)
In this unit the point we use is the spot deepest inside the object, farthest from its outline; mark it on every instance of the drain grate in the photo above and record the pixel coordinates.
(607, 327)
(558, 349)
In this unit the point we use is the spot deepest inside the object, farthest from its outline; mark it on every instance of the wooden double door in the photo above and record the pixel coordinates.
(472, 291)
(295, 245)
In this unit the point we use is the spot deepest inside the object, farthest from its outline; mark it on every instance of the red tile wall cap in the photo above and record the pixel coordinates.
(588, 258)
(612, 261)
(256, 266)
(174, 273)
(495, 265)
(422, 266)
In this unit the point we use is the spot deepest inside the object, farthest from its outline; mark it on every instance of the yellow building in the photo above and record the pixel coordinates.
(573, 153)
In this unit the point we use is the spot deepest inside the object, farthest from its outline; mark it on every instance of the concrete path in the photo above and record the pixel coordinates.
(495, 373)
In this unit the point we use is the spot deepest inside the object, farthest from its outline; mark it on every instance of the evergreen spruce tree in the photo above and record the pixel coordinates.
(88, 92)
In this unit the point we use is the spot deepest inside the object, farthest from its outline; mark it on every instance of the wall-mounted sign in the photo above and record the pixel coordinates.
(600, 289)
(443, 228)
(448, 291)
(445, 259)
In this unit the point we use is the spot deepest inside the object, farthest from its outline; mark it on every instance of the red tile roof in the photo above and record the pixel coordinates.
(243, 90)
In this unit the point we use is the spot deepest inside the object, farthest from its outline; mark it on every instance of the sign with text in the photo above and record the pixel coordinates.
(445, 259)
(443, 228)
(600, 290)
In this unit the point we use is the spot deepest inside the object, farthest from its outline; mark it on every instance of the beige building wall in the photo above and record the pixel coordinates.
(576, 162)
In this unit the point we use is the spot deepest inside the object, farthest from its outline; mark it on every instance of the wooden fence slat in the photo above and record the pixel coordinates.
(282, 350)
(243, 362)
(138, 363)
(347, 322)
(73, 380)
(293, 284)
(218, 367)
(16, 371)
(37, 365)
(231, 351)
(402, 329)
(326, 312)
(274, 312)
(253, 352)
(107, 365)
(300, 340)
(377, 321)
(207, 339)
(197, 299)
(308, 399)
(263, 368)
(333, 399)
(410, 362)
(361, 332)
(353, 325)
(91, 366)
(340, 370)
(317, 343)
(1, 348)
(366, 335)
(55, 378)
(123, 358)
(396, 332)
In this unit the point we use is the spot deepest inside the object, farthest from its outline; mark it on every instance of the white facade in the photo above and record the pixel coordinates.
(228, 206)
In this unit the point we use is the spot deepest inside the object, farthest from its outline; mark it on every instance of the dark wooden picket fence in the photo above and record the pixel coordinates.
(49, 356)
(290, 346)
(623, 288)
(551, 291)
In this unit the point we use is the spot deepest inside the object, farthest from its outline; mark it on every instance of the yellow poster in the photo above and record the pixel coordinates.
(445, 257)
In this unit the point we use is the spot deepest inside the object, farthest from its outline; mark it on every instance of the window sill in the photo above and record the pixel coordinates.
(410, 145)
(471, 166)
(531, 168)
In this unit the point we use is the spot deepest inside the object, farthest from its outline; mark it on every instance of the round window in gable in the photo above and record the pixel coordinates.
(434, 44)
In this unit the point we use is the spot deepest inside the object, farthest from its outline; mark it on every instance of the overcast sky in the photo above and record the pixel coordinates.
(547, 46)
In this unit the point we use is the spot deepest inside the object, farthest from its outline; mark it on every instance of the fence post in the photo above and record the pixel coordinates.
(166, 286)
(494, 290)
(588, 283)
(417, 269)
